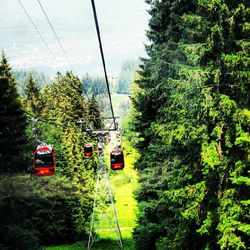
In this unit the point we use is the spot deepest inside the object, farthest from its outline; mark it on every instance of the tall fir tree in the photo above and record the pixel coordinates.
(63, 100)
(32, 92)
(225, 151)
(12, 122)
(53, 210)
(191, 116)
(94, 113)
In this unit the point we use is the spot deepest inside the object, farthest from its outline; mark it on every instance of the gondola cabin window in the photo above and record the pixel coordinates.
(117, 160)
(44, 161)
(88, 150)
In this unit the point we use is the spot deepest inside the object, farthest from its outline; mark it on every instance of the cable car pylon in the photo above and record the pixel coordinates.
(104, 205)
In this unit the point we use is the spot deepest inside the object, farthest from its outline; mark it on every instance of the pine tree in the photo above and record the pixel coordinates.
(54, 210)
(164, 144)
(63, 100)
(94, 113)
(191, 116)
(13, 122)
(32, 100)
(64, 107)
(224, 157)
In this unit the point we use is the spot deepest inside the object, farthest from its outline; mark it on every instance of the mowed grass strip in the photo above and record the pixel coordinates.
(123, 184)
(102, 244)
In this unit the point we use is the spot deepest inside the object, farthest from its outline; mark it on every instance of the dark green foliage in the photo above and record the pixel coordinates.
(32, 101)
(38, 211)
(12, 122)
(94, 85)
(94, 113)
(191, 124)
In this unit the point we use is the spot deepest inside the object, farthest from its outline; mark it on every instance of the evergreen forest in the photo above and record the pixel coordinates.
(190, 123)
(187, 135)
(42, 211)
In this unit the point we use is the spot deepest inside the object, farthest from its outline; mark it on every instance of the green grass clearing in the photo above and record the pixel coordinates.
(103, 244)
(123, 184)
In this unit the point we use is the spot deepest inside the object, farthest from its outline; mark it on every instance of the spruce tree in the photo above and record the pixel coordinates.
(225, 151)
(191, 116)
(162, 127)
(12, 122)
(32, 92)
(94, 113)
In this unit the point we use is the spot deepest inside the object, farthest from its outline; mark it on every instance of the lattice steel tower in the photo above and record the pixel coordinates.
(104, 207)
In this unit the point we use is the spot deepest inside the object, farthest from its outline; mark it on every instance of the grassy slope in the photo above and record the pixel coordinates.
(123, 185)
(104, 244)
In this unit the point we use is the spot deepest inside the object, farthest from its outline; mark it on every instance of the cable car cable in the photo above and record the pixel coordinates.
(46, 44)
(41, 36)
(57, 38)
(103, 59)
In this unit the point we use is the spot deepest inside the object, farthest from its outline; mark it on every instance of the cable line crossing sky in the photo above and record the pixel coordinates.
(122, 28)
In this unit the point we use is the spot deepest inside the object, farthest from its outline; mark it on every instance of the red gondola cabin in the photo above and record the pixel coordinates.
(44, 160)
(117, 159)
(88, 150)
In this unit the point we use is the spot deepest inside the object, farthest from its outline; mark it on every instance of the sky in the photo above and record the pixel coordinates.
(122, 24)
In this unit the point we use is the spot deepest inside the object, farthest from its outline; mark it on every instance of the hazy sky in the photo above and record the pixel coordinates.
(122, 24)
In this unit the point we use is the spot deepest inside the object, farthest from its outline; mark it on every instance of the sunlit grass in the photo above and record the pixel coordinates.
(77, 246)
(104, 244)
(123, 184)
